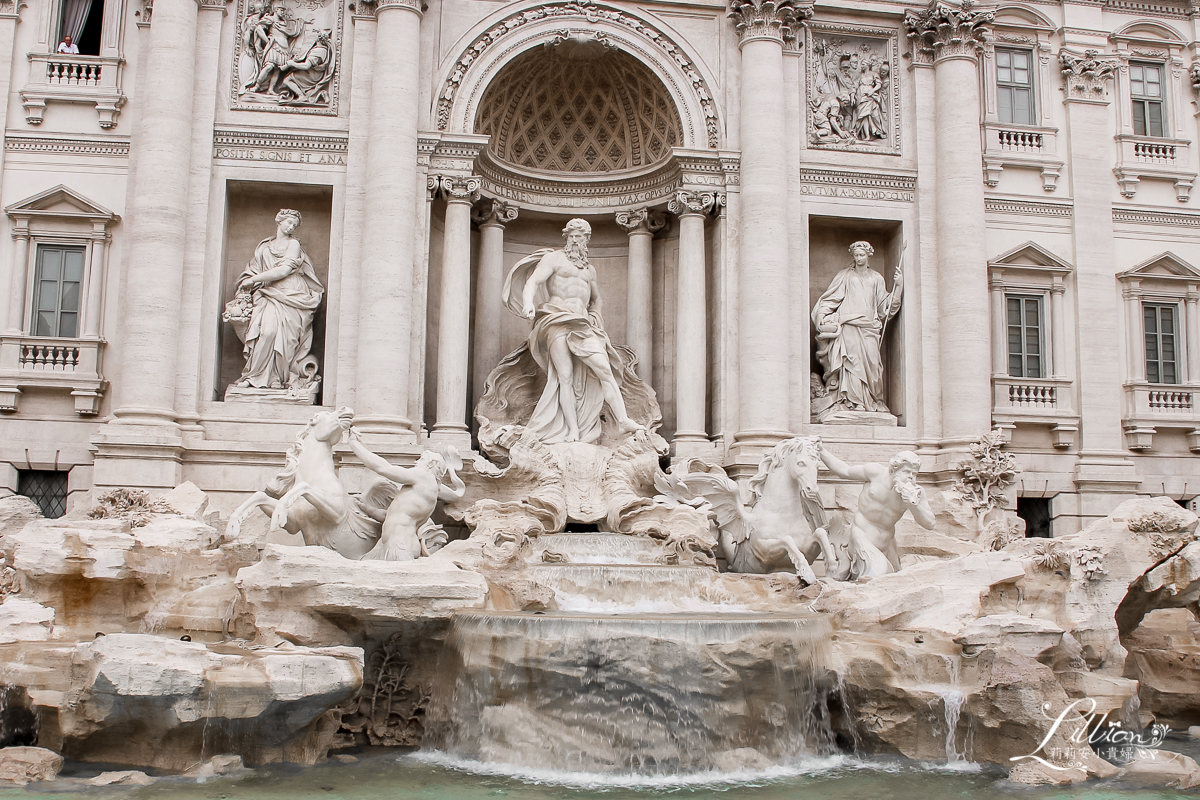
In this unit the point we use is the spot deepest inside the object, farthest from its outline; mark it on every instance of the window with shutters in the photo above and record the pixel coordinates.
(1161, 331)
(1014, 86)
(1026, 348)
(56, 293)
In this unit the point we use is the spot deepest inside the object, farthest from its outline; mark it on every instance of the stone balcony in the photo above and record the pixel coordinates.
(70, 365)
(1141, 157)
(73, 79)
(1047, 402)
(1149, 407)
(1022, 147)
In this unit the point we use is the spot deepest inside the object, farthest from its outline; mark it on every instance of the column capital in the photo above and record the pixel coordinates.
(456, 188)
(947, 30)
(371, 8)
(641, 220)
(773, 20)
(1086, 77)
(494, 211)
(685, 202)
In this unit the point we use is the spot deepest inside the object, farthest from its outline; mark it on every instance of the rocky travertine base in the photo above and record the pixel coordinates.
(969, 652)
(975, 657)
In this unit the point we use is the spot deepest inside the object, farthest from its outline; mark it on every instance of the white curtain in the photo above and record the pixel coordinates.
(75, 14)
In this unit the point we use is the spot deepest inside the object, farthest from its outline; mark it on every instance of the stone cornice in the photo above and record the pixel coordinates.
(1140, 216)
(57, 144)
(1086, 76)
(947, 30)
(1032, 208)
(281, 140)
(774, 20)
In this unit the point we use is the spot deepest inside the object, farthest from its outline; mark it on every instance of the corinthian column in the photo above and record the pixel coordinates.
(952, 37)
(763, 308)
(640, 224)
(1103, 471)
(454, 321)
(691, 352)
(389, 224)
(157, 216)
(489, 284)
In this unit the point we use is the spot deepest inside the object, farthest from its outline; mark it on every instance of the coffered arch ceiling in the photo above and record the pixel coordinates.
(578, 106)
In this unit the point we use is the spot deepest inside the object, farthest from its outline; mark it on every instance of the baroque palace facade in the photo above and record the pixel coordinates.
(1029, 168)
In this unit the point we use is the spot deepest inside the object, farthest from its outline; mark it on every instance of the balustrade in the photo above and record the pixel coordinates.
(49, 356)
(73, 79)
(1020, 141)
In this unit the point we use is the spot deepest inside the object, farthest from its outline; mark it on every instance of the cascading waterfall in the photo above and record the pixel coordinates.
(631, 692)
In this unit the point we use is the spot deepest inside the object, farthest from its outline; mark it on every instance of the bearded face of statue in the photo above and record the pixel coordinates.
(577, 247)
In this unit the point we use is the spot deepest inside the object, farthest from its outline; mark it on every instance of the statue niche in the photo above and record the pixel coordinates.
(560, 381)
(851, 318)
(272, 314)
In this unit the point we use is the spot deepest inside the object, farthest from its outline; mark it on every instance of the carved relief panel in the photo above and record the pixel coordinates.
(853, 88)
(286, 57)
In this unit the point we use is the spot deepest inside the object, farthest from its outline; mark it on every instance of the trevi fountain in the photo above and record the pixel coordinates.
(590, 398)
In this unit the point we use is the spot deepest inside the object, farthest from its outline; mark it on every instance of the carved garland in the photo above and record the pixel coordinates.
(592, 13)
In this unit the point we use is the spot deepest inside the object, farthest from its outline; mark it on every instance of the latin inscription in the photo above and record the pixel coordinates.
(279, 156)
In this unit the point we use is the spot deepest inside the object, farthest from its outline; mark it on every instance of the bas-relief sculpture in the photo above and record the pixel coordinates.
(851, 318)
(390, 521)
(851, 89)
(272, 314)
(286, 56)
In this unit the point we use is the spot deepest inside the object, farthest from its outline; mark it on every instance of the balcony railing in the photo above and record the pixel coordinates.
(71, 365)
(1153, 407)
(1013, 147)
(73, 79)
(1142, 158)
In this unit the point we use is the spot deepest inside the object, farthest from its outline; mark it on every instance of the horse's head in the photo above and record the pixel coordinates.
(798, 458)
(330, 426)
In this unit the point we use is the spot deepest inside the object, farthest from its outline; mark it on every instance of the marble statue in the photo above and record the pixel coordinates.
(783, 527)
(308, 497)
(272, 313)
(414, 494)
(851, 318)
(557, 290)
(891, 489)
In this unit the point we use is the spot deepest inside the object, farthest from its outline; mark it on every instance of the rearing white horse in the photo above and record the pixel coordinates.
(783, 527)
(308, 497)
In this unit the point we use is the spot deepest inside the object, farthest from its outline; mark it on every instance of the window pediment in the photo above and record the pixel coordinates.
(1031, 256)
(61, 203)
(1165, 266)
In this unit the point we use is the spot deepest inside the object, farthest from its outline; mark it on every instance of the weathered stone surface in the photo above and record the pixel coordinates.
(1161, 768)
(22, 765)
(17, 511)
(293, 592)
(188, 500)
(24, 621)
(1164, 657)
(172, 702)
(128, 777)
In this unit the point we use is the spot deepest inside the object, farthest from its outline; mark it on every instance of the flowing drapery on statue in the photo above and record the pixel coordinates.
(278, 293)
(851, 317)
(568, 359)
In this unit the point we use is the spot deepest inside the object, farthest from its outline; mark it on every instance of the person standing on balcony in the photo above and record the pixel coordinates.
(68, 47)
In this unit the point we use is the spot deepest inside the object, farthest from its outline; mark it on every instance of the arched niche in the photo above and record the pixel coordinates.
(506, 37)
